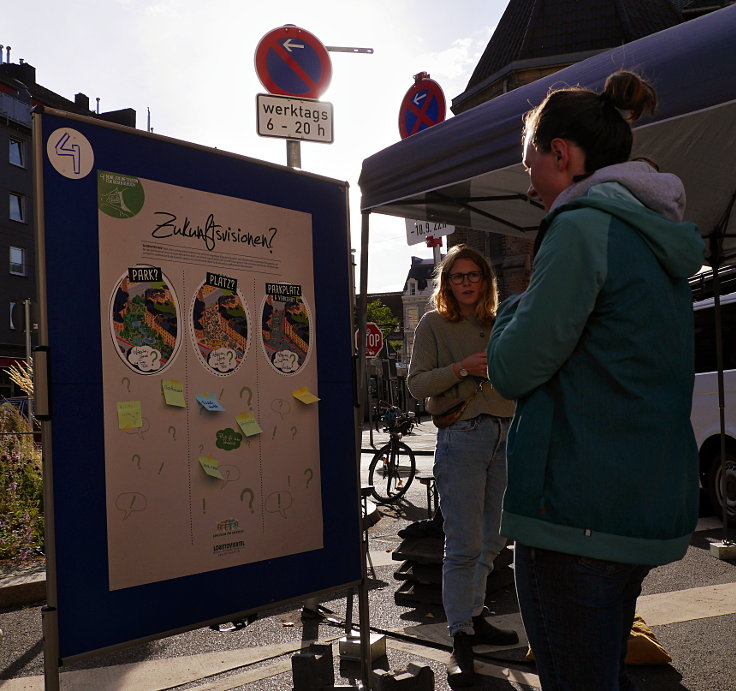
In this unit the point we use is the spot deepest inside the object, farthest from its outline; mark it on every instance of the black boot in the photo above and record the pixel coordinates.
(460, 670)
(488, 634)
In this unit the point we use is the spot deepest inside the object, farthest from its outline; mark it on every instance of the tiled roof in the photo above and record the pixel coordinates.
(532, 29)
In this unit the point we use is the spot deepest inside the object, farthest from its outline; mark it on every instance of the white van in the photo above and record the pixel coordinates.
(706, 412)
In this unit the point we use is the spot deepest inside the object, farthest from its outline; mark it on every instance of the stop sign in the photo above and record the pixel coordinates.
(373, 339)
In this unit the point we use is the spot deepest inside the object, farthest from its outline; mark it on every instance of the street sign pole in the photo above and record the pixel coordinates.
(293, 153)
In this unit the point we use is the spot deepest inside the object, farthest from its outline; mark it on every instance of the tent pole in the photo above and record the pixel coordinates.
(366, 664)
(716, 252)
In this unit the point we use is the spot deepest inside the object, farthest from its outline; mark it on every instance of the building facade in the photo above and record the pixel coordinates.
(19, 94)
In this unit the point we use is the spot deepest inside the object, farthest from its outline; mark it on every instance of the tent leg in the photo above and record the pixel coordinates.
(366, 664)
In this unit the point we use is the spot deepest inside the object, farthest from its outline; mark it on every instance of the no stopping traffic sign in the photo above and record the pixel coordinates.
(422, 106)
(292, 62)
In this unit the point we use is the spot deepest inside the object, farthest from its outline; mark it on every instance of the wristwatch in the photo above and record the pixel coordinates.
(462, 371)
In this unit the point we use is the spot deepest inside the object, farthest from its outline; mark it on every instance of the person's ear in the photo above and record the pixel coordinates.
(559, 149)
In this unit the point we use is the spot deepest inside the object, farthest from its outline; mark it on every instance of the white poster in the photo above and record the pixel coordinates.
(210, 380)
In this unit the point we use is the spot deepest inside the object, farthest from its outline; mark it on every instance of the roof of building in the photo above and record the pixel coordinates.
(421, 271)
(533, 29)
(21, 78)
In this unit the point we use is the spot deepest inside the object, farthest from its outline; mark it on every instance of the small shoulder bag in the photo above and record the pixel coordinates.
(455, 411)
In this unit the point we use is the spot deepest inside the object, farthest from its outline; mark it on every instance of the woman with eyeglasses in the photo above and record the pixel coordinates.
(448, 363)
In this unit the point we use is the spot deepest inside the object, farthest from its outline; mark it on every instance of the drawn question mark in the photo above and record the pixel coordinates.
(311, 475)
(250, 394)
(252, 496)
(135, 455)
(293, 433)
(126, 381)
(172, 431)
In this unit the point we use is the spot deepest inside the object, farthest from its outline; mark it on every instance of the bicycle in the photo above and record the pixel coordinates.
(393, 467)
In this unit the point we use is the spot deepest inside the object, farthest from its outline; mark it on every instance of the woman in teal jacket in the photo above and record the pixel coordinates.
(598, 352)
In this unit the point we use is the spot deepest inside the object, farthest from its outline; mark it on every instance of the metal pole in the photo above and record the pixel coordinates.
(293, 153)
(366, 664)
(27, 306)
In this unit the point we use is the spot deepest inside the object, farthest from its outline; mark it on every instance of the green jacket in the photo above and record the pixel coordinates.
(598, 352)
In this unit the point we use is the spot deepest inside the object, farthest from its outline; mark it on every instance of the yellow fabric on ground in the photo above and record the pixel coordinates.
(643, 647)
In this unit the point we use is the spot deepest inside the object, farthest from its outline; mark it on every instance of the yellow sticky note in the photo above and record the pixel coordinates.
(248, 424)
(304, 395)
(129, 414)
(211, 467)
(173, 393)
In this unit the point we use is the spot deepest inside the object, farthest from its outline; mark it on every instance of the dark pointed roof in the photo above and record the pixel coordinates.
(421, 271)
(536, 29)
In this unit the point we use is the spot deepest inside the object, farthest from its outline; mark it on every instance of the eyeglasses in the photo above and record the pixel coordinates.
(472, 276)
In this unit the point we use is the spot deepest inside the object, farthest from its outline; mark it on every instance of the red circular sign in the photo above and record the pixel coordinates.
(292, 62)
(422, 107)
(373, 339)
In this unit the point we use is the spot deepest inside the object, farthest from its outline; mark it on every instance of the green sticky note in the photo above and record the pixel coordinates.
(129, 414)
(173, 393)
(248, 424)
(211, 467)
(304, 395)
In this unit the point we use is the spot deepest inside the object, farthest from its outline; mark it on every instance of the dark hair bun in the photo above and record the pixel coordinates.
(631, 94)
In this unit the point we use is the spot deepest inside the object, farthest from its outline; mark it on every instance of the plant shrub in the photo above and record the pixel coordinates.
(21, 489)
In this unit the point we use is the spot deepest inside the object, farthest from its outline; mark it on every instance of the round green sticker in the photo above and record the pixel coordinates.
(119, 196)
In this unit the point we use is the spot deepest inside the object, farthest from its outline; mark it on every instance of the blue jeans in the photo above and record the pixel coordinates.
(577, 613)
(470, 469)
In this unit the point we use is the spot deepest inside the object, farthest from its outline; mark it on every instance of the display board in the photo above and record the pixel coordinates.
(201, 438)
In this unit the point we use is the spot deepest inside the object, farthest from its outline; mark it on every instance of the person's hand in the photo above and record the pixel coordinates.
(476, 364)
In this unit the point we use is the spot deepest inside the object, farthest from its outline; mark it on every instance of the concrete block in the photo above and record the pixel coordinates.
(723, 550)
(349, 646)
(313, 669)
(413, 678)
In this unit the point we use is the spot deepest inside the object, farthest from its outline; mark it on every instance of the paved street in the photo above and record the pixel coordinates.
(690, 606)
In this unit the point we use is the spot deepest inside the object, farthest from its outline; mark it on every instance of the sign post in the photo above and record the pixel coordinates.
(419, 231)
(292, 62)
(294, 118)
(423, 106)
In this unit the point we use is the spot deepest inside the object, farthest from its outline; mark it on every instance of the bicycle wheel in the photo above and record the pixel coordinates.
(391, 472)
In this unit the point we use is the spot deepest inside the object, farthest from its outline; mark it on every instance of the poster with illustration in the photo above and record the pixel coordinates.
(211, 439)
(145, 319)
(220, 325)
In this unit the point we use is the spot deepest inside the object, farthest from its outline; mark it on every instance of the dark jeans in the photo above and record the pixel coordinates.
(577, 613)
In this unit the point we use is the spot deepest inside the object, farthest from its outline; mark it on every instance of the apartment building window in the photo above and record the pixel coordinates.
(12, 325)
(16, 152)
(17, 207)
(17, 261)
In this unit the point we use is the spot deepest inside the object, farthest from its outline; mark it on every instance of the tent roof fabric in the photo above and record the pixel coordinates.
(541, 28)
(466, 171)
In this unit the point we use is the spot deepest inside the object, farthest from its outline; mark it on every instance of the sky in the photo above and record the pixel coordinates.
(192, 64)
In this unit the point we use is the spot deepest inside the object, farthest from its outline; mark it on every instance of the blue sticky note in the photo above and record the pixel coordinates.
(209, 402)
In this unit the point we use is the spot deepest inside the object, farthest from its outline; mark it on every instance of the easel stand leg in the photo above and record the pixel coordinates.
(50, 648)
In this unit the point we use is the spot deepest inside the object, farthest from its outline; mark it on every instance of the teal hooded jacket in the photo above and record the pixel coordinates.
(598, 353)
